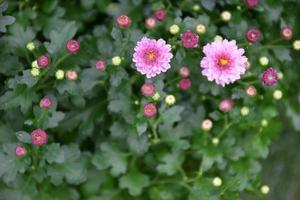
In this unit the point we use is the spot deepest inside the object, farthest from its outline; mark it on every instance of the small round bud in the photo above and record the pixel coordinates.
(136, 102)
(20, 151)
(60, 74)
(226, 105)
(189, 39)
(251, 91)
(100, 65)
(217, 181)
(185, 84)
(277, 94)
(252, 3)
(245, 111)
(39, 137)
(253, 35)
(264, 61)
(170, 99)
(30, 46)
(286, 33)
(264, 123)
(123, 21)
(226, 16)
(116, 60)
(148, 89)
(174, 29)
(269, 77)
(156, 96)
(34, 64)
(150, 110)
(71, 75)
(248, 65)
(238, 7)
(207, 124)
(35, 72)
(200, 28)
(280, 75)
(215, 141)
(150, 22)
(72, 46)
(218, 38)
(43, 61)
(296, 45)
(46, 103)
(265, 189)
(196, 7)
(160, 14)
(184, 72)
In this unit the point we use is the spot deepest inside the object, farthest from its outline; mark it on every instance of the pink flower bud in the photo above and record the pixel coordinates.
(150, 22)
(72, 46)
(251, 3)
(226, 105)
(251, 91)
(43, 61)
(189, 39)
(286, 33)
(46, 103)
(185, 84)
(160, 14)
(20, 151)
(100, 65)
(148, 89)
(269, 77)
(123, 21)
(71, 75)
(150, 110)
(184, 72)
(253, 35)
(39, 137)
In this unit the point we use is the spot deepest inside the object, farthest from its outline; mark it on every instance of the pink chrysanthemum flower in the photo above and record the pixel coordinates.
(20, 151)
(43, 61)
(72, 75)
(72, 46)
(46, 103)
(184, 72)
(150, 22)
(253, 35)
(39, 137)
(286, 33)
(226, 105)
(251, 3)
(269, 77)
(123, 21)
(148, 89)
(152, 57)
(251, 91)
(160, 14)
(189, 39)
(150, 110)
(100, 65)
(185, 84)
(224, 62)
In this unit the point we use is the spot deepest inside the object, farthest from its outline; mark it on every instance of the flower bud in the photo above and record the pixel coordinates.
(170, 99)
(265, 189)
(217, 181)
(156, 96)
(251, 91)
(184, 72)
(46, 103)
(207, 124)
(39, 137)
(123, 21)
(226, 16)
(116, 60)
(277, 94)
(34, 64)
(100, 65)
(30, 46)
(196, 7)
(185, 84)
(174, 29)
(150, 22)
(160, 14)
(251, 3)
(60, 74)
(72, 46)
(264, 123)
(264, 61)
(189, 39)
(245, 111)
(218, 38)
(215, 141)
(200, 28)
(20, 151)
(226, 105)
(35, 72)
(43, 61)
(286, 33)
(148, 89)
(296, 45)
(71, 75)
(253, 35)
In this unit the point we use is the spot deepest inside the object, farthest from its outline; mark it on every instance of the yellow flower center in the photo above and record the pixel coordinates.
(223, 61)
(150, 56)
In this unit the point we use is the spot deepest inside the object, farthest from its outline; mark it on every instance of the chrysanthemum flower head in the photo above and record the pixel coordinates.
(152, 57)
(100, 65)
(185, 84)
(72, 46)
(148, 89)
(226, 105)
(160, 14)
(184, 72)
(71, 75)
(251, 91)
(20, 151)
(286, 33)
(150, 22)
(251, 3)
(39, 137)
(189, 39)
(43, 61)
(46, 103)
(253, 35)
(150, 110)
(224, 62)
(269, 77)
(123, 21)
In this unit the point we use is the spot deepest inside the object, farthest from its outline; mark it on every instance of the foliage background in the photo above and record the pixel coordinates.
(99, 145)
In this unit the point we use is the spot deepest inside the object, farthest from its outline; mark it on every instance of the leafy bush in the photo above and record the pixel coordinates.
(74, 123)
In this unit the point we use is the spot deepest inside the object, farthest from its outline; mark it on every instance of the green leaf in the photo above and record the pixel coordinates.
(172, 114)
(54, 153)
(208, 4)
(5, 20)
(23, 137)
(171, 163)
(134, 181)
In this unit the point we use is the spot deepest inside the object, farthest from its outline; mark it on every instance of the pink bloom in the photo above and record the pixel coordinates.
(185, 84)
(286, 33)
(72, 46)
(160, 14)
(46, 103)
(184, 72)
(148, 89)
(43, 61)
(20, 151)
(152, 57)
(100, 65)
(71, 75)
(150, 22)
(269, 77)
(150, 110)
(226, 105)
(224, 62)
(253, 35)
(251, 91)
(189, 39)
(123, 21)
(39, 137)
(251, 3)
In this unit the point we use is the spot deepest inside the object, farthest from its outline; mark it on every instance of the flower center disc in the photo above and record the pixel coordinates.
(150, 56)
(223, 62)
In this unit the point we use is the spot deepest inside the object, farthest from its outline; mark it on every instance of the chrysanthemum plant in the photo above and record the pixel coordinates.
(144, 99)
